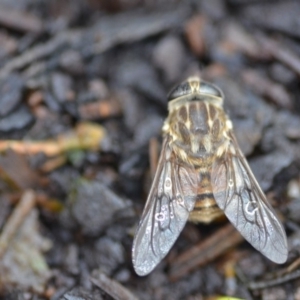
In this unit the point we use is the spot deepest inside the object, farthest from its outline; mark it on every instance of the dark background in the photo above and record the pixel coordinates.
(112, 63)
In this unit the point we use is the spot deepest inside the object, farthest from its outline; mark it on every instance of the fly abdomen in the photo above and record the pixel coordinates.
(205, 209)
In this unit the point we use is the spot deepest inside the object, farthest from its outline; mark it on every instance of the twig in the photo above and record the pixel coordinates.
(266, 87)
(194, 30)
(100, 110)
(204, 252)
(16, 219)
(276, 281)
(291, 272)
(153, 155)
(40, 51)
(106, 34)
(113, 288)
(117, 30)
(278, 51)
(87, 136)
(20, 20)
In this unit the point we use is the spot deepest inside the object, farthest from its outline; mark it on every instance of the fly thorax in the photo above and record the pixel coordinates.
(197, 128)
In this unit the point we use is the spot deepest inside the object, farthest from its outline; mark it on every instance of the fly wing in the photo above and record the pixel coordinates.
(171, 198)
(238, 194)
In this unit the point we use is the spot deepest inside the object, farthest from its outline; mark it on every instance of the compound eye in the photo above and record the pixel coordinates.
(180, 90)
(209, 89)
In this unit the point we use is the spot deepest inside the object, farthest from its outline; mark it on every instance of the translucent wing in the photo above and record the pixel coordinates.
(171, 198)
(238, 194)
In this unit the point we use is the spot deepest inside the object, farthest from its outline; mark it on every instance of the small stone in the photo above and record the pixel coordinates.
(11, 91)
(62, 87)
(19, 119)
(71, 62)
(168, 56)
(93, 206)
